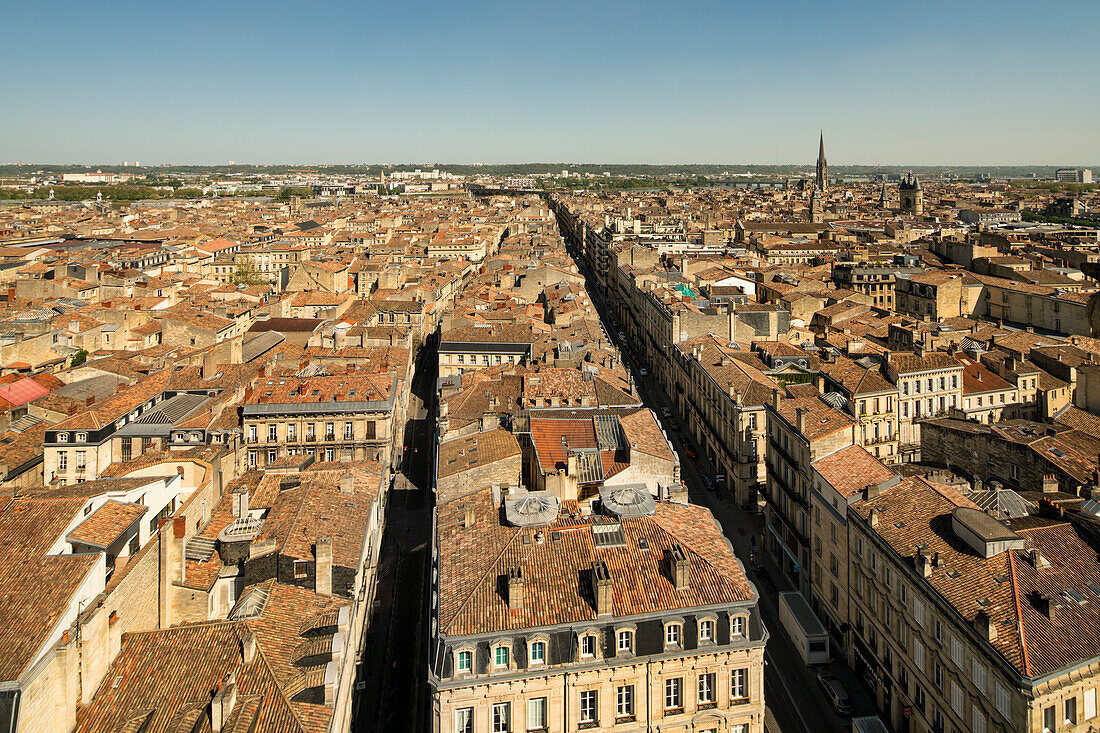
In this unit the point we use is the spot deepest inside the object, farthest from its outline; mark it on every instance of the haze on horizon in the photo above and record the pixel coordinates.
(962, 83)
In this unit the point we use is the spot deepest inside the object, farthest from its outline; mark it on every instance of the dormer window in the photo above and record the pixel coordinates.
(673, 633)
(706, 630)
(624, 641)
(737, 627)
(62, 437)
(588, 645)
(464, 661)
(537, 652)
(501, 656)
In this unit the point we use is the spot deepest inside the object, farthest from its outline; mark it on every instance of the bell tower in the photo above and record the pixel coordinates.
(822, 180)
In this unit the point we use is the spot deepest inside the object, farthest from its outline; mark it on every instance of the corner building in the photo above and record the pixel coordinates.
(634, 617)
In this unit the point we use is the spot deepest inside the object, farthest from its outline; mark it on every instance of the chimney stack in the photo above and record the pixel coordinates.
(1048, 606)
(602, 588)
(515, 589)
(468, 518)
(678, 567)
(222, 705)
(323, 566)
(1035, 555)
(985, 627)
(923, 563)
(347, 483)
(801, 420)
(777, 399)
(873, 519)
(248, 646)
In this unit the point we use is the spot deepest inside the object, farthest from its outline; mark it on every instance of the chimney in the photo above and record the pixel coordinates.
(923, 564)
(89, 400)
(222, 705)
(801, 420)
(323, 566)
(172, 533)
(873, 519)
(240, 504)
(602, 588)
(468, 518)
(1048, 606)
(248, 646)
(678, 567)
(1035, 555)
(347, 483)
(515, 589)
(777, 399)
(1050, 483)
(985, 627)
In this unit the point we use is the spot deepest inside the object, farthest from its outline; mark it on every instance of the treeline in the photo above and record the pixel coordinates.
(1064, 220)
(114, 192)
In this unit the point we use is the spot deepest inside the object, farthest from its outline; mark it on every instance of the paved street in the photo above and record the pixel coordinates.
(394, 698)
(794, 701)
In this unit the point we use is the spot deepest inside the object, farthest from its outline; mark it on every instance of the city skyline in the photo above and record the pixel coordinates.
(495, 83)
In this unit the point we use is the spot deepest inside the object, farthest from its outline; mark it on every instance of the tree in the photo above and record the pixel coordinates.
(247, 274)
(79, 358)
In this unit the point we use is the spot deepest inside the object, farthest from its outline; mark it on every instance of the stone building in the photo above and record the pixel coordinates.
(540, 621)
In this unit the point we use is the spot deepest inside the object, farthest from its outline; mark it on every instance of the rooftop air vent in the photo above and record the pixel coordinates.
(982, 533)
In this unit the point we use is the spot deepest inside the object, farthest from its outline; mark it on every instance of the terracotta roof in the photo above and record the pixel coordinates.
(472, 560)
(462, 454)
(106, 524)
(850, 470)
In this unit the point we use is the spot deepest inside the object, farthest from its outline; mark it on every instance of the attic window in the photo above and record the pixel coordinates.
(1073, 595)
(899, 525)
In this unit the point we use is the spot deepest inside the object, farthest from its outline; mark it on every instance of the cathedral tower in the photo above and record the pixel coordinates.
(822, 180)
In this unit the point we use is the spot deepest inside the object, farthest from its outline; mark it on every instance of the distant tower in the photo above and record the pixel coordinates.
(822, 179)
(817, 214)
(911, 194)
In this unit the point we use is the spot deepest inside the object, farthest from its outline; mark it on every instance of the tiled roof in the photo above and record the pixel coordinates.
(473, 559)
(462, 454)
(850, 470)
(106, 524)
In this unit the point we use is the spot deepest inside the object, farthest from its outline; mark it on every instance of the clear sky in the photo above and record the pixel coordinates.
(914, 82)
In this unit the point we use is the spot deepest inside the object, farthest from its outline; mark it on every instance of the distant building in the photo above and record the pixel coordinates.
(822, 180)
(1073, 175)
(911, 195)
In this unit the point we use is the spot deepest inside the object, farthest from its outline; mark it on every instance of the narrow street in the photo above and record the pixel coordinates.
(794, 701)
(394, 694)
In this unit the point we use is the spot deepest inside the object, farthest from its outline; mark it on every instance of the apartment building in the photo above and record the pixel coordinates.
(869, 396)
(540, 622)
(965, 623)
(721, 399)
(929, 384)
(801, 426)
(467, 348)
(986, 395)
(874, 280)
(936, 295)
(347, 417)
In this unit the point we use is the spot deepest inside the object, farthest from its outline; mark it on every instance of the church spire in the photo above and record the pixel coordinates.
(822, 179)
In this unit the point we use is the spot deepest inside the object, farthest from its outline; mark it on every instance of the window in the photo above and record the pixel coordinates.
(977, 719)
(956, 698)
(739, 684)
(80, 460)
(1048, 720)
(62, 460)
(1090, 703)
(465, 661)
(674, 693)
(502, 717)
(672, 634)
(624, 701)
(537, 714)
(977, 674)
(625, 640)
(588, 645)
(349, 431)
(272, 433)
(464, 720)
(706, 688)
(918, 655)
(81, 437)
(737, 626)
(251, 433)
(918, 611)
(500, 656)
(588, 706)
(301, 568)
(706, 630)
(538, 652)
(272, 455)
(291, 432)
(1071, 711)
(1003, 704)
(956, 649)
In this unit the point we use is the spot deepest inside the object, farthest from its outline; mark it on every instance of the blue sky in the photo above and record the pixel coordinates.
(917, 82)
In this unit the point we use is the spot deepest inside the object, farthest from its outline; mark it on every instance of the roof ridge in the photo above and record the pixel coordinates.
(1019, 613)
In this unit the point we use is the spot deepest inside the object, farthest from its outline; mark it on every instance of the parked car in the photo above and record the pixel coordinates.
(666, 413)
(708, 484)
(834, 690)
(644, 372)
(689, 449)
(720, 479)
(674, 426)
